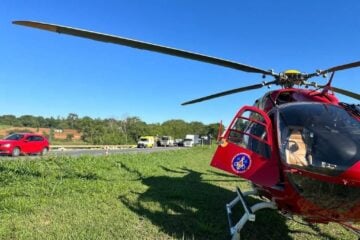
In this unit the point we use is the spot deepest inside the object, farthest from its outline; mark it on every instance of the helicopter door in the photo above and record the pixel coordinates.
(246, 148)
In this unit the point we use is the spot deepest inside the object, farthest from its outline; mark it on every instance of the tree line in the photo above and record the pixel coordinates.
(110, 130)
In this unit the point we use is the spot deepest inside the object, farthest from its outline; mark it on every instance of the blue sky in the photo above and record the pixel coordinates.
(47, 74)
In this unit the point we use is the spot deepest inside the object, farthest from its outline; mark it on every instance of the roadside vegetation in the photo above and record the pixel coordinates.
(164, 195)
(102, 131)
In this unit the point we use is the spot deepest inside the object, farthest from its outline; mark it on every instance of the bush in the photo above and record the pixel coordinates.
(69, 136)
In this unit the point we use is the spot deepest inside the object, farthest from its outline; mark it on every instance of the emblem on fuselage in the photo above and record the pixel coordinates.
(241, 162)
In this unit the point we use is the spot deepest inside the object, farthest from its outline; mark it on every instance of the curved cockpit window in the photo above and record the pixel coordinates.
(249, 131)
(319, 137)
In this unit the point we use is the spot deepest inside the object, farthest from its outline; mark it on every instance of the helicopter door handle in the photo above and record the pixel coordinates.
(292, 171)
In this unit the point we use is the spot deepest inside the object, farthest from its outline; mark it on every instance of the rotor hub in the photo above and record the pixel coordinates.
(292, 77)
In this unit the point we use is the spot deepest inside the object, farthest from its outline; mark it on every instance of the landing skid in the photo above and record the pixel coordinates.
(249, 214)
(352, 229)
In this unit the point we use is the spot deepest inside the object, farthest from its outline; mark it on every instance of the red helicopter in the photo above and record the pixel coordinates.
(298, 145)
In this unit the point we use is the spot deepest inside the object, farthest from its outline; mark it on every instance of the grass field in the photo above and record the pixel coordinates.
(167, 195)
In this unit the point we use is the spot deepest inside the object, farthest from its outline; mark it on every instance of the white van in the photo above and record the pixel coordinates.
(166, 141)
(191, 140)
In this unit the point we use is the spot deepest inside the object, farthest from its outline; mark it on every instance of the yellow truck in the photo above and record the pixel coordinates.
(146, 142)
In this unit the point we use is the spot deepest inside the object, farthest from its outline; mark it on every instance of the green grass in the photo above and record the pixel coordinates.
(167, 195)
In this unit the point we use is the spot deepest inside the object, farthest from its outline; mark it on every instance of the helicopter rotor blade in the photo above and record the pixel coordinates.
(341, 67)
(232, 91)
(346, 93)
(142, 45)
(335, 69)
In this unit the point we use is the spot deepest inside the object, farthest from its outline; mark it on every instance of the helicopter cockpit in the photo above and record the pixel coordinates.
(318, 137)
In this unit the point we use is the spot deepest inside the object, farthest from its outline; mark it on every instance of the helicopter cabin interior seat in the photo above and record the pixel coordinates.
(296, 149)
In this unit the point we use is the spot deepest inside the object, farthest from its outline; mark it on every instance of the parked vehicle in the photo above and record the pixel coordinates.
(191, 140)
(205, 140)
(179, 142)
(166, 141)
(146, 142)
(24, 143)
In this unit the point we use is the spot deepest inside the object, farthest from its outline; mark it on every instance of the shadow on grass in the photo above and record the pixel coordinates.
(188, 208)
(84, 176)
(19, 171)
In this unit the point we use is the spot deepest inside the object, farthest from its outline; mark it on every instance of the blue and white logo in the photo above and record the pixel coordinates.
(241, 162)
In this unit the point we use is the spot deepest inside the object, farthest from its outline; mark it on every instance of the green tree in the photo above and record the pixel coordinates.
(51, 134)
(9, 120)
(69, 136)
(213, 129)
(28, 121)
(153, 129)
(197, 128)
(72, 120)
(112, 131)
(135, 128)
(176, 128)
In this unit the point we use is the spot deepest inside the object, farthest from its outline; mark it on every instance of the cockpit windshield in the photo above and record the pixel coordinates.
(318, 137)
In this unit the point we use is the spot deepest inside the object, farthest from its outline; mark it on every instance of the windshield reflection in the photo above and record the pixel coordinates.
(319, 137)
(14, 137)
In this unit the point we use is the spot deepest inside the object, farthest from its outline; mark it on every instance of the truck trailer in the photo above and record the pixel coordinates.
(191, 140)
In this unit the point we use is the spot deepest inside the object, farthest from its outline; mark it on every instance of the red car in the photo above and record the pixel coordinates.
(24, 143)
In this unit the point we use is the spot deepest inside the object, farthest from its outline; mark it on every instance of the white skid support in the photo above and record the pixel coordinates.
(249, 214)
